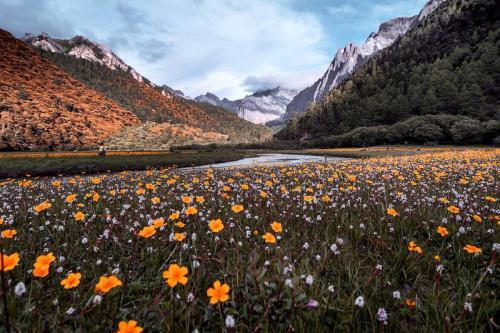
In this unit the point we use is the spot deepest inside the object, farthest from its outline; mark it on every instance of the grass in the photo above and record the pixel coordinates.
(43, 164)
(339, 243)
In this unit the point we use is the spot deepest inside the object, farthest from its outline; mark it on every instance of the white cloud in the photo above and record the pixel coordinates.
(215, 45)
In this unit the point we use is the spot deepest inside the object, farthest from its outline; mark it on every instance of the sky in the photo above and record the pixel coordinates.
(228, 47)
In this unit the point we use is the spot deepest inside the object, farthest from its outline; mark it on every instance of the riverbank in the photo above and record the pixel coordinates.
(36, 164)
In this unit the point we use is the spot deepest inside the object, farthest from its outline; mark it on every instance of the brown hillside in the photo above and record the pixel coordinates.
(41, 105)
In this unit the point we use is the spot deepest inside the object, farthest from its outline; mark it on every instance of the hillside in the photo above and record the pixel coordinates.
(449, 64)
(42, 106)
(149, 102)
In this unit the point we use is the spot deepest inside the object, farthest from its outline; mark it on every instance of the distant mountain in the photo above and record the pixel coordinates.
(166, 89)
(352, 56)
(258, 108)
(440, 83)
(98, 67)
(42, 106)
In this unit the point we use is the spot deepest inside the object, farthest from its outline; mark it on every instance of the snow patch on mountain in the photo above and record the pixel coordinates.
(257, 108)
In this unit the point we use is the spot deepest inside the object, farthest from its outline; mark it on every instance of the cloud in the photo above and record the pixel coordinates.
(343, 9)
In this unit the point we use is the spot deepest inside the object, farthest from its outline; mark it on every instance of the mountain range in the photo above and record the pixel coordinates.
(259, 108)
(171, 118)
(352, 56)
(438, 83)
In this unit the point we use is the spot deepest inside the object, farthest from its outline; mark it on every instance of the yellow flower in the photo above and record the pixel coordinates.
(392, 212)
(175, 274)
(9, 233)
(191, 210)
(444, 200)
(70, 198)
(9, 261)
(219, 293)
(43, 206)
(276, 226)
(79, 216)
(179, 236)
(437, 258)
(155, 200)
(147, 232)
(269, 238)
(216, 225)
(237, 208)
(472, 249)
(442, 231)
(454, 209)
(129, 327)
(106, 283)
(71, 281)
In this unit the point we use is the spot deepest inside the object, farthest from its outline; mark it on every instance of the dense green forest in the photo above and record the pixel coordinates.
(447, 65)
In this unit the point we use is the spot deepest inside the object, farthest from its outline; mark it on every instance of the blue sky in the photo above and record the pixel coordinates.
(228, 47)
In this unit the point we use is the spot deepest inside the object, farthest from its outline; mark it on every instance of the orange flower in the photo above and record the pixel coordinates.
(219, 293)
(276, 226)
(326, 198)
(472, 249)
(95, 197)
(45, 259)
(1, 221)
(237, 208)
(392, 212)
(9, 261)
(174, 216)
(454, 209)
(179, 224)
(140, 191)
(216, 225)
(70, 198)
(158, 223)
(187, 199)
(442, 231)
(56, 183)
(129, 327)
(179, 236)
(40, 270)
(200, 199)
(9, 233)
(308, 198)
(147, 232)
(106, 283)
(175, 274)
(155, 200)
(79, 216)
(411, 303)
(191, 210)
(269, 238)
(71, 281)
(412, 247)
(95, 180)
(490, 199)
(477, 218)
(43, 206)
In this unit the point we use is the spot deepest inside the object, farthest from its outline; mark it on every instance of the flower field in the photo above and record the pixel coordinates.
(397, 243)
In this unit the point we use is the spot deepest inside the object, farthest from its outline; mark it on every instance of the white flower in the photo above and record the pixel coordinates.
(440, 269)
(309, 279)
(97, 299)
(378, 267)
(190, 297)
(331, 288)
(20, 289)
(196, 264)
(70, 311)
(289, 283)
(382, 315)
(84, 240)
(496, 247)
(359, 302)
(396, 294)
(115, 271)
(230, 321)
(468, 306)
(306, 245)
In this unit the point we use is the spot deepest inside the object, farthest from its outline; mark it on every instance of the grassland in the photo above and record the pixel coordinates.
(406, 243)
(69, 163)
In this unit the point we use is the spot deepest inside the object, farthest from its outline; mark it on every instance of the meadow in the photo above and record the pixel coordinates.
(406, 243)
